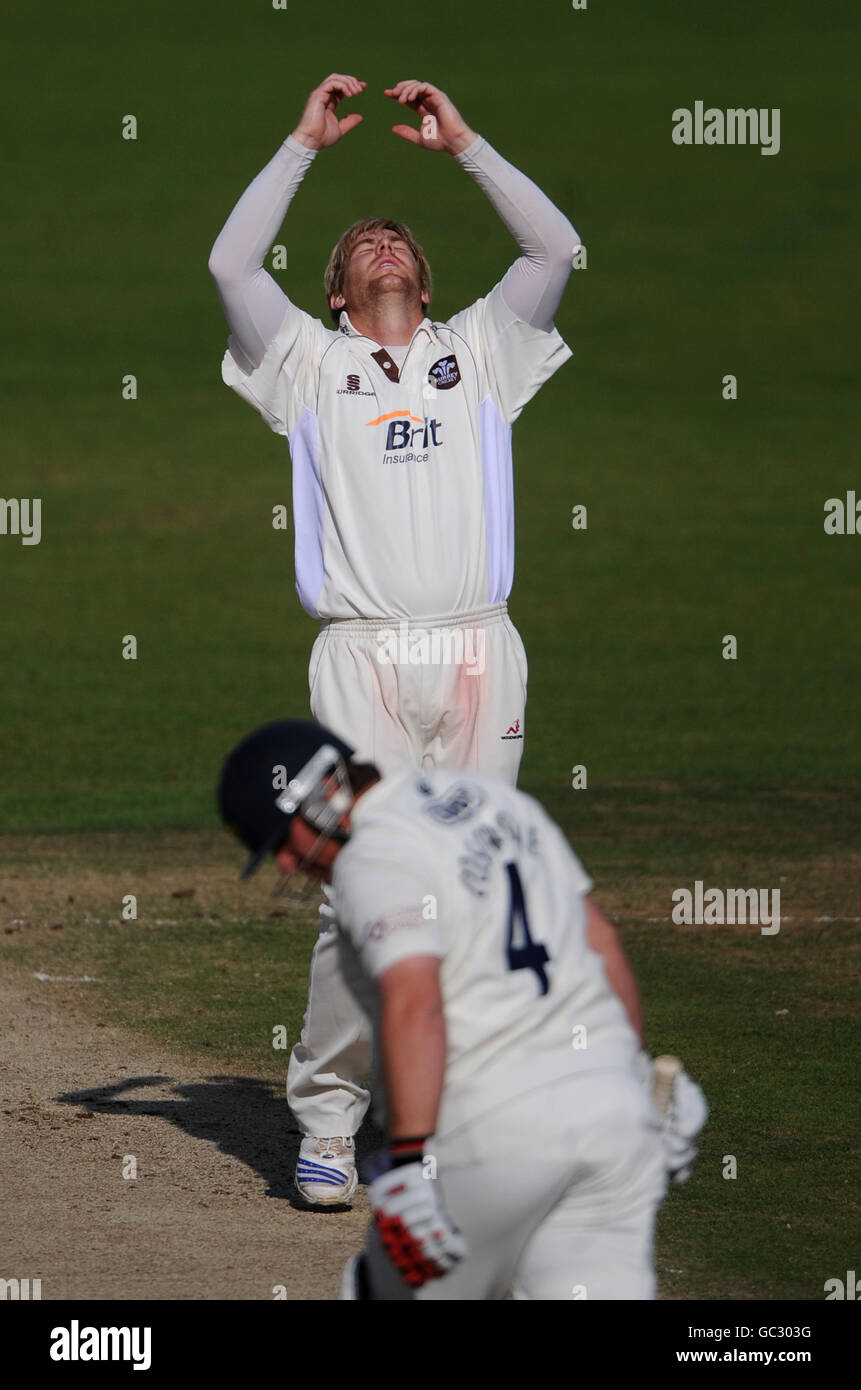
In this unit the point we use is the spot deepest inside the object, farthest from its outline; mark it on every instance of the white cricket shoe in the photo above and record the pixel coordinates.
(326, 1171)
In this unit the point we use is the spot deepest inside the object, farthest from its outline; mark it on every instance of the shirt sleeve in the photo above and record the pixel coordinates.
(514, 357)
(561, 855)
(254, 304)
(579, 881)
(387, 901)
(274, 351)
(285, 383)
(533, 285)
(511, 332)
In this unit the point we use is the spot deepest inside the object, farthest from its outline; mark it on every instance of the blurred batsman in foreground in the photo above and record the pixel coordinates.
(399, 429)
(529, 1135)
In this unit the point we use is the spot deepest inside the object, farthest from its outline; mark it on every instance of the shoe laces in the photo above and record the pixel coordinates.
(335, 1146)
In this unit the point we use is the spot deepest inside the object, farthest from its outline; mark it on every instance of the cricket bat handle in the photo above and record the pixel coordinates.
(666, 1070)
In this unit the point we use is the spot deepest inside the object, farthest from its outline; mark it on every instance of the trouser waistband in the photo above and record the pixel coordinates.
(354, 627)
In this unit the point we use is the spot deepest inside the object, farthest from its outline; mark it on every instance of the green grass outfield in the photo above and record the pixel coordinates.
(705, 516)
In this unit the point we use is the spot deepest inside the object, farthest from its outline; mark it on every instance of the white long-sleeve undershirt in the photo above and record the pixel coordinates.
(255, 305)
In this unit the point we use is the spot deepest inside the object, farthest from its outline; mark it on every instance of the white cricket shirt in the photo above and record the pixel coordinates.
(464, 867)
(402, 477)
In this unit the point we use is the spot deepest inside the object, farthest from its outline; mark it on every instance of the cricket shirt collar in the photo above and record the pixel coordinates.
(350, 331)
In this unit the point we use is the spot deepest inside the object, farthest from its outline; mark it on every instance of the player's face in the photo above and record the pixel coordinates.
(381, 261)
(306, 849)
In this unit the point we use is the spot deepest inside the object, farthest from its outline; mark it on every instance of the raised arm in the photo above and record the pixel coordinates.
(533, 285)
(254, 304)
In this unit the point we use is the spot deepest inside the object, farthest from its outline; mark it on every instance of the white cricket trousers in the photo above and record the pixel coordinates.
(556, 1194)
(447, 692)
(398, 696)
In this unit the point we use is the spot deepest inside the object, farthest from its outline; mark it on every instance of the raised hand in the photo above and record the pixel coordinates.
(318, 125)
(443, 127)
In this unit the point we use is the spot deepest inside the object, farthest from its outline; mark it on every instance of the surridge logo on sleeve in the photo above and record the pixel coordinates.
(445, 373)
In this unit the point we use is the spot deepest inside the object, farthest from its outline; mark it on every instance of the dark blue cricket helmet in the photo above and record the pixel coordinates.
(278, 772)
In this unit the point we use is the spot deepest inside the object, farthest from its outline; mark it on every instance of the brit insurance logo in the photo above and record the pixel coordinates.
(409, 438)
(353, 386)
(445, 373)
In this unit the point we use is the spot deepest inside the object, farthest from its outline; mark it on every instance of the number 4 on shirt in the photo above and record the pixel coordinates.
(530, 955)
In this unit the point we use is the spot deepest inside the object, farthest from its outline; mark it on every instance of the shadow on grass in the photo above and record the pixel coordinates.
(242, 1115)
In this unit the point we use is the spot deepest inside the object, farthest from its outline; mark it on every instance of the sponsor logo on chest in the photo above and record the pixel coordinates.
(409, 438)
(404, 437)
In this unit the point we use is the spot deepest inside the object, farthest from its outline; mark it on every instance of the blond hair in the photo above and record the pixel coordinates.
(333, 280)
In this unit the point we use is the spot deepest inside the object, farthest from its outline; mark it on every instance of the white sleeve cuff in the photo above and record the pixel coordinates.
(298, 148)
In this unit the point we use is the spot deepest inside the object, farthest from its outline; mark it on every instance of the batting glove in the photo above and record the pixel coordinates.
(413, 1227)
(682, 1110)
